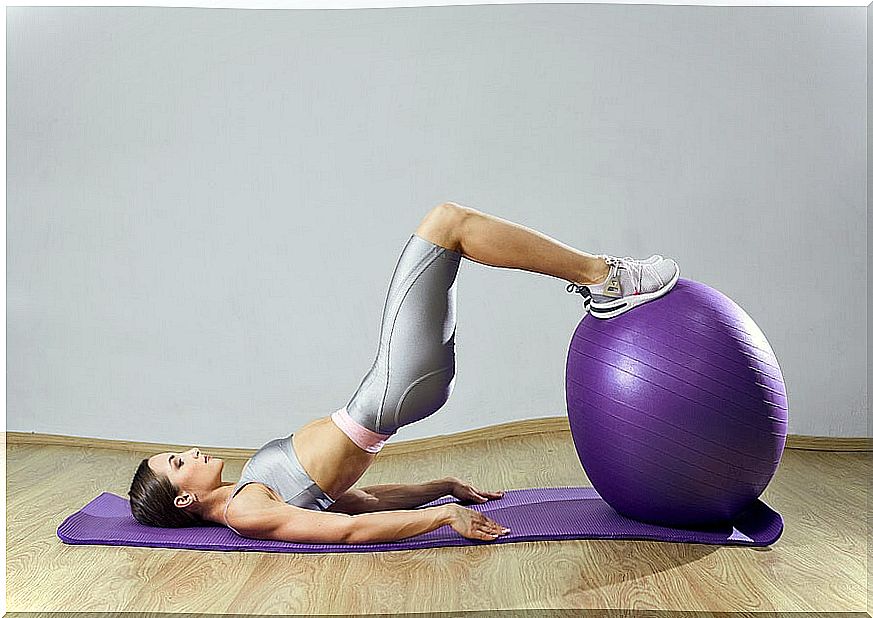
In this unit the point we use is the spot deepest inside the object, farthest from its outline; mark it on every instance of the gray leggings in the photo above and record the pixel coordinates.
(414, 371)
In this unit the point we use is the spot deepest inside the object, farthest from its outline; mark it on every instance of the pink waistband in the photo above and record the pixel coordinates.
(366, 439)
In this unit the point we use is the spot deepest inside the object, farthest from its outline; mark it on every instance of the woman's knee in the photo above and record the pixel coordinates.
(443, 225)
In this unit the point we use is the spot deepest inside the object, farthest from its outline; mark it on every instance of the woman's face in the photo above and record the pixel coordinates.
(189, 470)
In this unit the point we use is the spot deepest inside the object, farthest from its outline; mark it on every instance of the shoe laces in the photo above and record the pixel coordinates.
(584, 291)
(580, 289)
(632, 266)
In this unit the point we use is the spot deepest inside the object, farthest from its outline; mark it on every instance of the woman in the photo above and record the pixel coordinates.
(299, 488)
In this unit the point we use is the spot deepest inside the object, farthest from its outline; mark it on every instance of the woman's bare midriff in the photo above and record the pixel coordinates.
(329, 456)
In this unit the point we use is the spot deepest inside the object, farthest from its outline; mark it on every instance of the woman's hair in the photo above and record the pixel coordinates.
(151, 501)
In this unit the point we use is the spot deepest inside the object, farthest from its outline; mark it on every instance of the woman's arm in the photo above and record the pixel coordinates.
(398, 496)
(283, 522)
(400, 524)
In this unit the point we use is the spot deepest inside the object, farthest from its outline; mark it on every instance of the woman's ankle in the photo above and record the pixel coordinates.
(596, 273)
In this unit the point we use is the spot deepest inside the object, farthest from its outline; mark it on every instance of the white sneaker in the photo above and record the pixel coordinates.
(586, 292)
(631, 283)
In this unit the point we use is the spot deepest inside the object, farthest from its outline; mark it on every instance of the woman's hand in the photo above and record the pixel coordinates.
(466, 492)
(473, 524)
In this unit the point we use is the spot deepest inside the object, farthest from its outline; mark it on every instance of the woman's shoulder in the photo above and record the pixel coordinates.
(253, 495)
(243, 513)
(248, 501)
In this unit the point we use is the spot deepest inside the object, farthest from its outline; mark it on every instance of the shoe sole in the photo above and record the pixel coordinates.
(606, 310)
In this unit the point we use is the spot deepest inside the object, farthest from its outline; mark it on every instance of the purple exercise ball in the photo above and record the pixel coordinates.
(677, 408)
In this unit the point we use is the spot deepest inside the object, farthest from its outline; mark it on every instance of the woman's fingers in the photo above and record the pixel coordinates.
(486, 495)
(473, 489)
(493, 528)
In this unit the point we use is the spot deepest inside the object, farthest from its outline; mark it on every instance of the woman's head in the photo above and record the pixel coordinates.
(168, 488)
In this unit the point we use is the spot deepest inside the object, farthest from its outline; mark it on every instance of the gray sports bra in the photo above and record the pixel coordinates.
(276, 465)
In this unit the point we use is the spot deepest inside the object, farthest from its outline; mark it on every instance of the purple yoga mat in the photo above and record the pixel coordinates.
(536, 514)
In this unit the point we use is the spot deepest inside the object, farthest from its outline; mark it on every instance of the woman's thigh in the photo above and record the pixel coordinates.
(414, 370)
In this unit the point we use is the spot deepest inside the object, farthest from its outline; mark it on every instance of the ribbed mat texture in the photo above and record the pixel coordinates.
(536, 514)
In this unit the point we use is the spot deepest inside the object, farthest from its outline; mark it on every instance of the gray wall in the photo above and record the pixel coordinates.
(205, 206)
(869, 136)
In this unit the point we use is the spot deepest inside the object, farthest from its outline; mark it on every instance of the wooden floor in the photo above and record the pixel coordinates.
(818, 565)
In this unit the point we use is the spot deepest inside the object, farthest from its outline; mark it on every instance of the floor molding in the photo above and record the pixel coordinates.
(512, 429)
